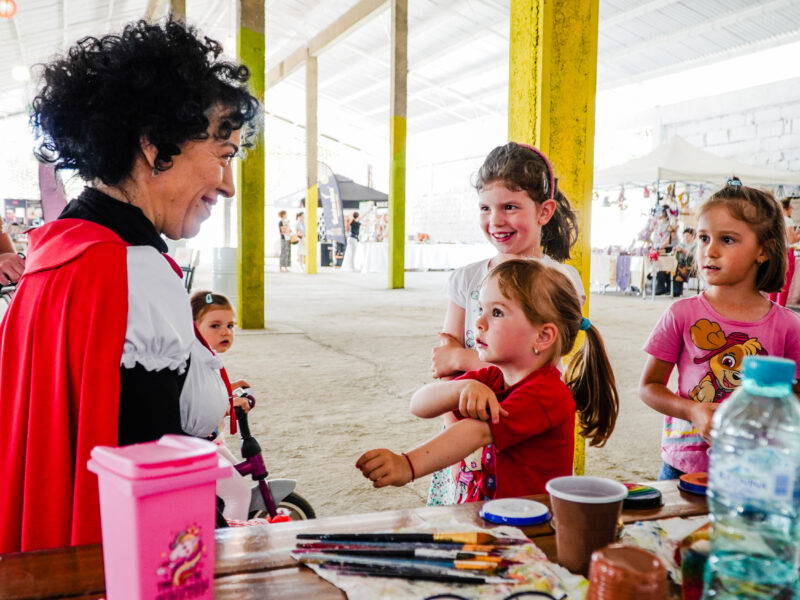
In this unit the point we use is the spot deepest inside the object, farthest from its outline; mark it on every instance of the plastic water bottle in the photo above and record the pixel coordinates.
(754, 489)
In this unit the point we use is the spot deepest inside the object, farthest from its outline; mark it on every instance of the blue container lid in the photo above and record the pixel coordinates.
(515, 511)
(768, 370)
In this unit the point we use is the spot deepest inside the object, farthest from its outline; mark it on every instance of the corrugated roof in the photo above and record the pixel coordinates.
(458, 65)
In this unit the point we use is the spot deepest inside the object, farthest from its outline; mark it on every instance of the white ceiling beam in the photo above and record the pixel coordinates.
(695, 31)
(155, 10)
(356, 16)
(426, 83)
(636, 12)
(109, 15)
(414, 34)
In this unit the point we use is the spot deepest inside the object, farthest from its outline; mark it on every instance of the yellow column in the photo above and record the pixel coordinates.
(312, 197)
(178, 9)
(397, 140)
(250, 215)
(551, 101)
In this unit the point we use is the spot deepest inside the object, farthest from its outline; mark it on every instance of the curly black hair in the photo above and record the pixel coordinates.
(152, 80)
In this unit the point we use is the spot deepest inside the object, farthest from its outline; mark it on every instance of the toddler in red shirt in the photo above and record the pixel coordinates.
(518, 409)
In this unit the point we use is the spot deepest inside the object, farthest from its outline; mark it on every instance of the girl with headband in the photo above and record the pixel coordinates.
(517, 409)
(523, 214)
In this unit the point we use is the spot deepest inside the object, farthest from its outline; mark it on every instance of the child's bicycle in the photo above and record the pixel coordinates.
(270, 497)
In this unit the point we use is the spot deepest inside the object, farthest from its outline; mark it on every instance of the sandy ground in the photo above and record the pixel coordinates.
(341, 355)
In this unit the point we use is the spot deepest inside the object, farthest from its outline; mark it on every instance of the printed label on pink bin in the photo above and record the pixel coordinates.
(181, 574)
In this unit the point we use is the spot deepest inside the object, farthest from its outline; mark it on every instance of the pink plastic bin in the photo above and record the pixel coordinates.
(157, 510)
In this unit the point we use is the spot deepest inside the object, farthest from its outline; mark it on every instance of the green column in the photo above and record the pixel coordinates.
(397, 140)
(250, 224)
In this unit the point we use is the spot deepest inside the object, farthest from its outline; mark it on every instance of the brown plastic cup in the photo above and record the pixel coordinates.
(619, 572)
(586, 511)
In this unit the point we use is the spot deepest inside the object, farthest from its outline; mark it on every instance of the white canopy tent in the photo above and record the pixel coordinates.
(677, 160)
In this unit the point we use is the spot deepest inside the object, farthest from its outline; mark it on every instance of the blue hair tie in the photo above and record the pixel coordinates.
(209, 299)
(734, 182)
(585, 324)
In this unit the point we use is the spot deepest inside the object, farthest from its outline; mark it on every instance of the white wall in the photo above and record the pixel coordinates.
(759, 125)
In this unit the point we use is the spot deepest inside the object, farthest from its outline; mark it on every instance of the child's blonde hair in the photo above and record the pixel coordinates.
(547, 295)
(762, 213)
(204, 301)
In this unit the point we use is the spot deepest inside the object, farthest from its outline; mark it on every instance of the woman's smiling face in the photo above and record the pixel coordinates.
(199, 175)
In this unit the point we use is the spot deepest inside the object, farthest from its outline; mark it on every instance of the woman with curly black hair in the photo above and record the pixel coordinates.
(98, 345)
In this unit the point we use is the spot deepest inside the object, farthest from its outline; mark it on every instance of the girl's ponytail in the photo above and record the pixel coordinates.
(591, 381)
(561, 231)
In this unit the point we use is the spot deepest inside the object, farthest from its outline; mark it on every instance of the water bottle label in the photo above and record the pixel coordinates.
(761, 474)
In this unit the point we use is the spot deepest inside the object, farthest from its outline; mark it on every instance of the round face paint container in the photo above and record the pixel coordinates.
(694, 483)
(642, 497)
(515, 511)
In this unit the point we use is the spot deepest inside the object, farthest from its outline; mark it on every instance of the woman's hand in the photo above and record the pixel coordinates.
(701, 414)
(383, 467)
(478, 401)
(11, 267)
(239, 383)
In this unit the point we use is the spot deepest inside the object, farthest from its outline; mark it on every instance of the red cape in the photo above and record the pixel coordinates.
(60, 348)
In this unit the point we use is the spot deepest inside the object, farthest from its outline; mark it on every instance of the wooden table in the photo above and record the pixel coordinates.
(255, 562)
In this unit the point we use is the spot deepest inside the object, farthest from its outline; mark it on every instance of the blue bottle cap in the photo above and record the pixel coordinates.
(768, 370)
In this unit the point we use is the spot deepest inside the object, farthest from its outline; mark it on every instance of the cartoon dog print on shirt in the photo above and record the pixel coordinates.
(724, 355)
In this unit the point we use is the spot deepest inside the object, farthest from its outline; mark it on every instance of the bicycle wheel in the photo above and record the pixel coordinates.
(297, 507)
(294, 505)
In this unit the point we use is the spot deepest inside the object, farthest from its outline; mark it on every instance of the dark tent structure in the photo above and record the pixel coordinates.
(351, 193)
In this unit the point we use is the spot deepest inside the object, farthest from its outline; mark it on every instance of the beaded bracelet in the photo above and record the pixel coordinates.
(410, 466)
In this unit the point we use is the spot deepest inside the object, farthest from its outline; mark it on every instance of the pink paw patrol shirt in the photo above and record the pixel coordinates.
(708, 350)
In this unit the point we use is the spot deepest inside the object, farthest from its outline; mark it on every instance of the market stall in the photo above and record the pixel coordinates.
(675, 177)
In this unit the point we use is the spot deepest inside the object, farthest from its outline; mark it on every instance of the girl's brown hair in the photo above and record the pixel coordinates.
(204, 301)
(547, 295)
(521, 169)
(762, 213)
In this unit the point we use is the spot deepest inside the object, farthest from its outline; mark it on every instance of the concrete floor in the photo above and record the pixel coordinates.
(341, 355)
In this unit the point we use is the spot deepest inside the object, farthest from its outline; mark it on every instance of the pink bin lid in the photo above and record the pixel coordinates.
(168, 456)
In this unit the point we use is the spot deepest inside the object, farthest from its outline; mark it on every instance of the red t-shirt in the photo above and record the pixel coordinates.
(535, 442)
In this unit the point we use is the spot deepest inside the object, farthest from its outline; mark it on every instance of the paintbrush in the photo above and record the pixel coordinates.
(425, 564)
(414, 574)
(420, 554)
(463, 537)
(474, 548)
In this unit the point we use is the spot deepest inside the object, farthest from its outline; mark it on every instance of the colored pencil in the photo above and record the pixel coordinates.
(464, 537)
(414, 574)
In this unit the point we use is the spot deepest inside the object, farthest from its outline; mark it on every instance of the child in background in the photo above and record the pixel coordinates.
(300, 230)
(741, 253)
(792, 238)
(523, 214)
(518, 408)
(215, 318)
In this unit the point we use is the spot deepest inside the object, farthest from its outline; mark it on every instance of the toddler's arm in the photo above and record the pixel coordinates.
(654, 392)
(384, 467)
(472, 398)
(450, 357)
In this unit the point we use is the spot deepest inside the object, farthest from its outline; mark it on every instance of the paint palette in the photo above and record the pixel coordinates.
(515, 511)
(694, 483)
(642, 497)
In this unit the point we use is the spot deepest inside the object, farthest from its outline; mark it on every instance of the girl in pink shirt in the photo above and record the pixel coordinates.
(741, 254)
